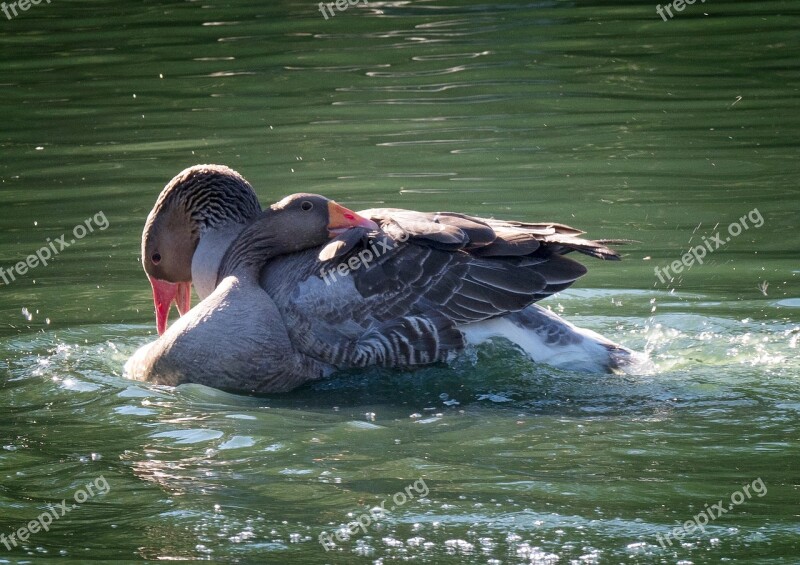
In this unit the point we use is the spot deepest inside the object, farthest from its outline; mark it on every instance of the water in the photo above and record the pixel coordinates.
(595, 114)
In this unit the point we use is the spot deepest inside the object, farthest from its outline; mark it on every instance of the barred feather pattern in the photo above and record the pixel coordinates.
(211, 195)
(404, 341)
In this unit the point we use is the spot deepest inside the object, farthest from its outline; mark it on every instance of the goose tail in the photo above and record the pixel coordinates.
(547, 338)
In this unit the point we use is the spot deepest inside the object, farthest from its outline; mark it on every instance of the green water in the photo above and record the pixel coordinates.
(595, 114)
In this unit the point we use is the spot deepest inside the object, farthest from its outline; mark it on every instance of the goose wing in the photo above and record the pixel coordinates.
(395, 297)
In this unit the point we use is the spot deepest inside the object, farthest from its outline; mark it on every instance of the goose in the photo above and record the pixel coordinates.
(294, 293)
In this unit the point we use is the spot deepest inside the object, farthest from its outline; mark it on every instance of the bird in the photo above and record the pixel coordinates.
(303, 289)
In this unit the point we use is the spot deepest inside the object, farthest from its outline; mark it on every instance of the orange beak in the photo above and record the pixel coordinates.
(164, 294)
(341, 219)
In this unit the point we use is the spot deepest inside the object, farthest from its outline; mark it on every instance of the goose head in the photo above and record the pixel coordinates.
(298, 222)
(205, 200)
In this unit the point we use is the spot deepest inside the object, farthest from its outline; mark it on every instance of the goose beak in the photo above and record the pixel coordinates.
(341, 219)
(164, 294)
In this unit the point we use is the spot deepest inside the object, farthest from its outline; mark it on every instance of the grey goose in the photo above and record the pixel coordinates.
(307, 287)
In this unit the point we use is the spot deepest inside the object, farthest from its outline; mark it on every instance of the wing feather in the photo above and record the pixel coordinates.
(427, 273)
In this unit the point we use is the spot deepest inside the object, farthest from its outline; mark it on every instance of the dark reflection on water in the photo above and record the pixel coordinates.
(595, 114)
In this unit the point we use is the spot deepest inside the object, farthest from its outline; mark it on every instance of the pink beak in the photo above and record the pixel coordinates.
(341, 219)
(164, 294)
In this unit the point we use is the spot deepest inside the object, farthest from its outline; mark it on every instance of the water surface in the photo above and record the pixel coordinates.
(595, 114)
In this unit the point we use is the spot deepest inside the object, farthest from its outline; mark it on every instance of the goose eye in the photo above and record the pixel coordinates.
(156, 258)
(306, 206)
